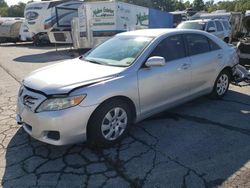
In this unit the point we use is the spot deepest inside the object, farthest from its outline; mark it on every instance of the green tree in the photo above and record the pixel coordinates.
(242, 5)
(187, 4)
(164, 5)
(198, 5)
(179, 5)
(226, 5)
(3, 8)
(16, 10)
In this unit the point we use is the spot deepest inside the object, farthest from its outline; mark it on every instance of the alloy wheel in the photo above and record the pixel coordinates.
(222, 84)
(114, 123)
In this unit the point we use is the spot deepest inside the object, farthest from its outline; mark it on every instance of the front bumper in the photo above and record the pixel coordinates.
(70, 124)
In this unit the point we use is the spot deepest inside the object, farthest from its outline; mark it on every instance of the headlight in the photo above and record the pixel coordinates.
(60, 103)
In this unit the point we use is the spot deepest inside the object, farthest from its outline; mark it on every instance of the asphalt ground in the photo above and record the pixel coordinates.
(203, 143)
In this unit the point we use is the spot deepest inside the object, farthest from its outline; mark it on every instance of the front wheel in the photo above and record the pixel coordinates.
(221, 85)
(109, 123)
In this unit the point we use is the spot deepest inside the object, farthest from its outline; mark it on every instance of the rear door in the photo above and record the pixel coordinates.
(205, 56)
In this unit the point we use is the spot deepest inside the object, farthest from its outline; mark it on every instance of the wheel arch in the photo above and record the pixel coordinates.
(229, 69)
(115, 98)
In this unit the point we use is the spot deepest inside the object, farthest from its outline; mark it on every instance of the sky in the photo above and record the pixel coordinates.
(14, 2)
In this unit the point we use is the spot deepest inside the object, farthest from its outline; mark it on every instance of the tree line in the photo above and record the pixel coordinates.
(164, 5)
(11, 11)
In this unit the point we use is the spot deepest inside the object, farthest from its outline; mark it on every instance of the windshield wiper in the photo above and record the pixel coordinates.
(94, 61)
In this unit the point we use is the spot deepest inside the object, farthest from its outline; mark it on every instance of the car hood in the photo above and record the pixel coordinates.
(62, 77)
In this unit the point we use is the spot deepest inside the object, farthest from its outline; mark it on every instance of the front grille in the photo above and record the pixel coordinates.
(30, 98)
(29, 101)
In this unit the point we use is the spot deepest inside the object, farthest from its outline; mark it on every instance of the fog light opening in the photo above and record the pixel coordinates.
(53, 135)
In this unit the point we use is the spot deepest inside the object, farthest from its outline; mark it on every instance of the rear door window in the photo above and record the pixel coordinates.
(197, 44)
(171, 48)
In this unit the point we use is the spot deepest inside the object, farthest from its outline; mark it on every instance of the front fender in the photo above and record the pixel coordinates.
(123, 85)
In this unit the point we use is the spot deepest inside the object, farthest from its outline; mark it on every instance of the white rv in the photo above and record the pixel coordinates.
(51, 16)
(98, 21)
(24, 33)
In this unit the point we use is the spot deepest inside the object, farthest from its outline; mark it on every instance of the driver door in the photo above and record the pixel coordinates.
(160, 87)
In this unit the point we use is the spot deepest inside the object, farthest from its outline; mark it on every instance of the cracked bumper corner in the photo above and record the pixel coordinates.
(70, 124)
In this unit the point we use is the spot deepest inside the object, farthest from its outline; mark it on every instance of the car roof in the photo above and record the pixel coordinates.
(159, 32)
(156, 33)
(206, 20)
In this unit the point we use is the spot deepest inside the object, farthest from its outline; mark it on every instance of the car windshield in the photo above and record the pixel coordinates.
(192, 25)
(120, 51)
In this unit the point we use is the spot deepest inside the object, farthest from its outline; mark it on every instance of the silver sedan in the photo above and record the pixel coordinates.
(124, 80)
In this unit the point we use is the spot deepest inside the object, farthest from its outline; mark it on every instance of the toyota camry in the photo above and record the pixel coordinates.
(126, 79)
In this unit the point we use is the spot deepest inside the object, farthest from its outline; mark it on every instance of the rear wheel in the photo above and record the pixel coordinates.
(109, 123)
(221, 85)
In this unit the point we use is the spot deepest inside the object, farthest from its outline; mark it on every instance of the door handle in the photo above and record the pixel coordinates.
(220, 56)
(185, 66)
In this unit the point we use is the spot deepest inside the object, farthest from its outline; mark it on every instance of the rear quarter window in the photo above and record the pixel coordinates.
(226, 25)
(213, 45)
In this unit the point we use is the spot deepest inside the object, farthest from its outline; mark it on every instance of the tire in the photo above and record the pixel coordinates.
(109, 123)
(221, 85)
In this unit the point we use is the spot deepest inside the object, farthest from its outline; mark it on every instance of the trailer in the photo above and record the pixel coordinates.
(99, 21)
(2, 19)
(9, 30)
(50, 17)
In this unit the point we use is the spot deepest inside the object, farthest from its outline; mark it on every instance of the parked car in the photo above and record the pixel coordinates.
(218, 27)
(122, 81)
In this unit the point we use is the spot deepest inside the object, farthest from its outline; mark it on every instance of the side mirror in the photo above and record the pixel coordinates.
(155, 61)
(211, 29)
